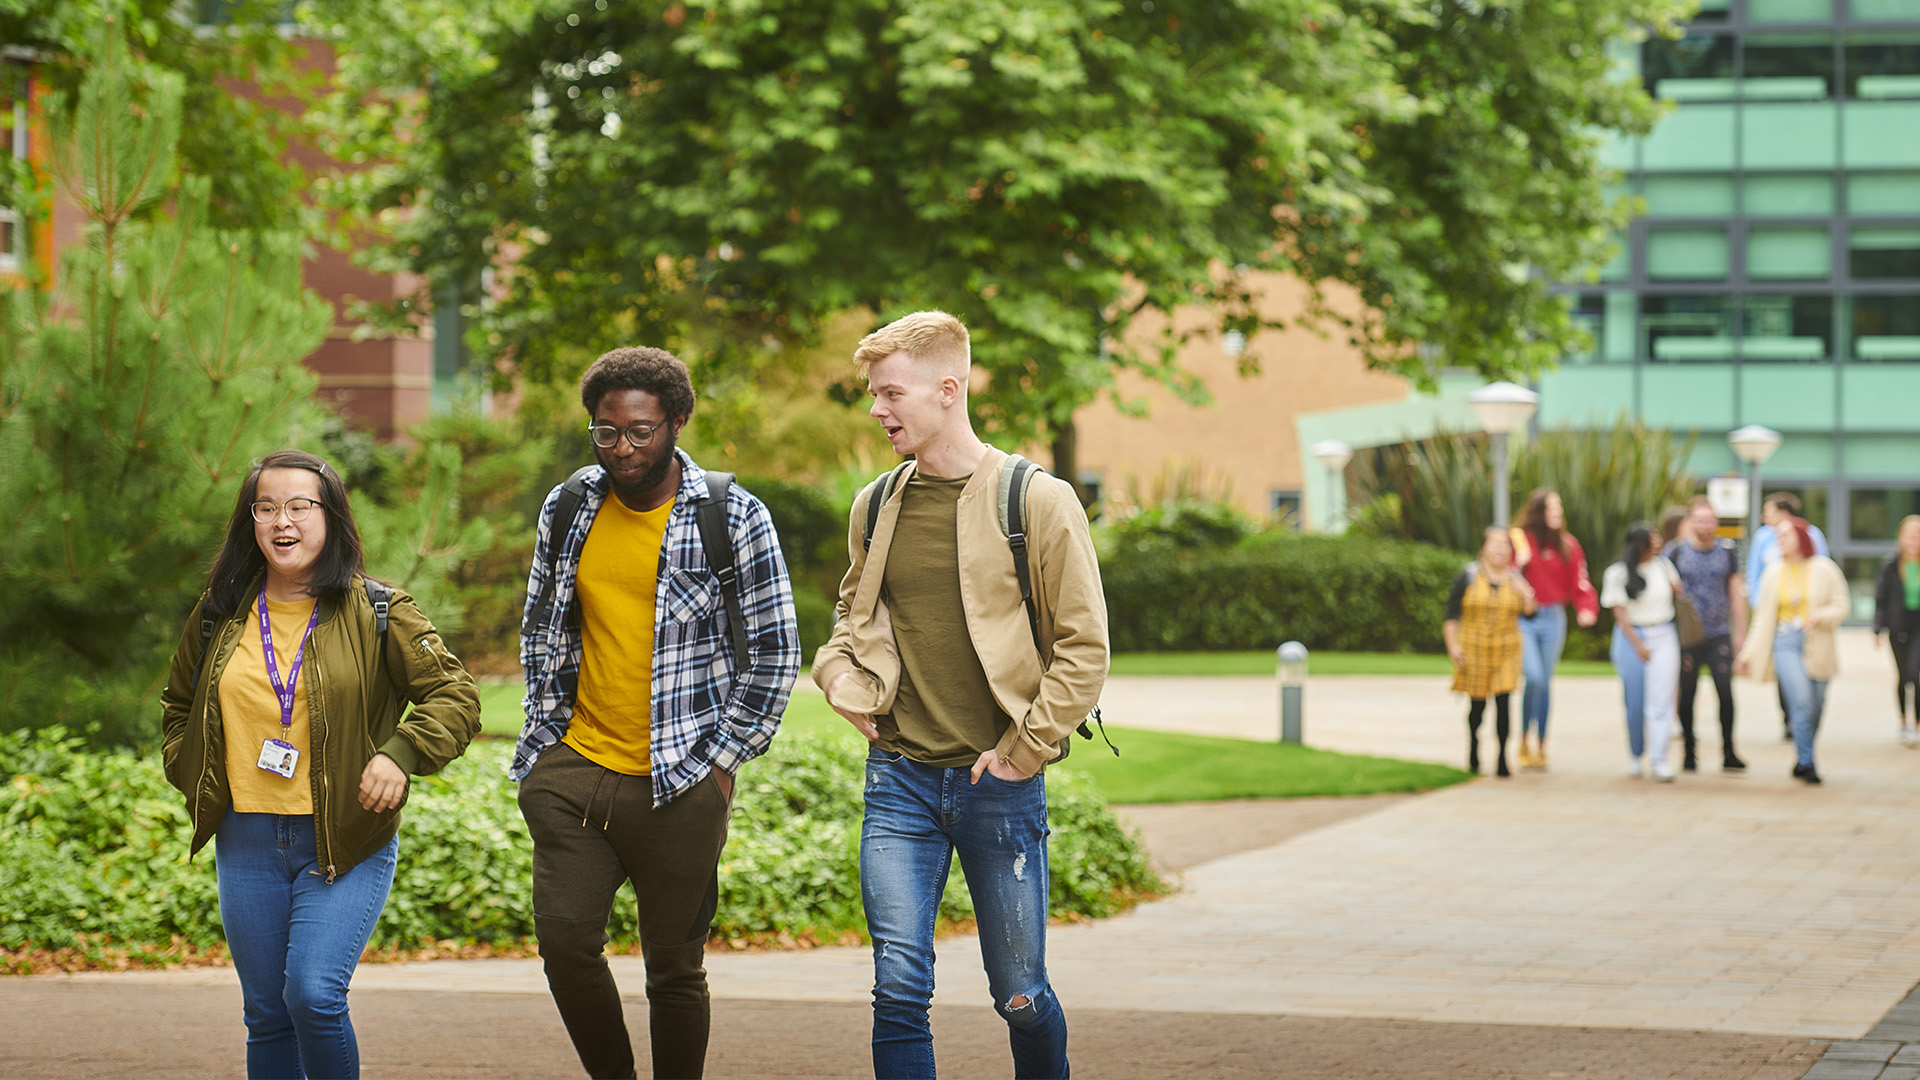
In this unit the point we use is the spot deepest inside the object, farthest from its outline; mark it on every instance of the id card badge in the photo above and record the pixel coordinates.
(277, 757)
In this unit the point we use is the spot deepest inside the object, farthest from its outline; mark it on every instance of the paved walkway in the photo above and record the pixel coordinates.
(1741, 916)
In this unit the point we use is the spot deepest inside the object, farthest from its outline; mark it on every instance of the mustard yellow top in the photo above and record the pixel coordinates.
(619, 571)
(250, 714)
(1793, 593)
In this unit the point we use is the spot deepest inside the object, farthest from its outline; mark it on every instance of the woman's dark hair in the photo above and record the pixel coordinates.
(240, 560)
(1533, 520)
(656, 371)
(1639, 539)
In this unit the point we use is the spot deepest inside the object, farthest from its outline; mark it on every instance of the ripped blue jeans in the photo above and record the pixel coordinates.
(917, 817)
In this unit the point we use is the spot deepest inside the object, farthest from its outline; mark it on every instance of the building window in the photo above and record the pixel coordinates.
(1875, 513)
(1883, 64)
(1608, 318)
(1799, 253)
(1787, 328)
(1687, 328)
(1787, 195)
(1689, 196)
(1778, 11)
(1886, 327)
(1879, 252)
(1687, 254)
(15, 91)
(1887, 10)
(1697, 67)
(1284, 507)
(1788, 67)
(1884, 193)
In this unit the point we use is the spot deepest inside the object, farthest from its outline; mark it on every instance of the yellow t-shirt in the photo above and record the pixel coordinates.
(1793, 593)
(250, 713)
(619, 570)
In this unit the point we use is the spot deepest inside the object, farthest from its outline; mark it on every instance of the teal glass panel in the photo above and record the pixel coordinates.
(1876, 397)
(1588, 395)
(1691, 138)
(1787, 67)
(1882, 252)
(1782, 135)
(1881, 134)
(1789, 398)
(1787, 328)
(1884, 193)
(1588, 312)
(1689, 196)
(1617, 268)
(1787, 194)
(1688, 396)
(1617, 344)
(1687, 254)
(1687, 329)
(1883, 10)
(1883, 64)
(1884, 328)
(1763, 11)
(1800, 253)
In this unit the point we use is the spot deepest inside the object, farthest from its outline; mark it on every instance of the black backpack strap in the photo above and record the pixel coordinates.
(716, 539)
(206, 642)
(381, 597)
(878, 493)
(573, 495)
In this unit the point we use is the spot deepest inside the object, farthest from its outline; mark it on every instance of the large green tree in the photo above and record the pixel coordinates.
(724, 176)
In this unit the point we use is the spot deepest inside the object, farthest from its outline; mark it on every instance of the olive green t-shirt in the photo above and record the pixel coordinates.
(945, 714)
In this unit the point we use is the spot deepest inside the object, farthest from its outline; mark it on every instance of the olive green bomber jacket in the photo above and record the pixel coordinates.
(355, 705)
(1047, 693)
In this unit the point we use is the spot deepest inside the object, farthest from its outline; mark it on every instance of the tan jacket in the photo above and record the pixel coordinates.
(1828, 604)
(1046, 695)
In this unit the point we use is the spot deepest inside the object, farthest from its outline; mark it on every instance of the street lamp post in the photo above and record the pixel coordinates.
(1503, 408)
(1753, 444)
(1334, 454)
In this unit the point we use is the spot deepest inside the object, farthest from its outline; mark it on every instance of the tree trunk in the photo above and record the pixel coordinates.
(1066, 457)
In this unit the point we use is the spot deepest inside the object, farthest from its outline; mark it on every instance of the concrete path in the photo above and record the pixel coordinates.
(1661, 927)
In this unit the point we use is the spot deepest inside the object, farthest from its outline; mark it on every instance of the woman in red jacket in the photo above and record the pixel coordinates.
(1552, 562)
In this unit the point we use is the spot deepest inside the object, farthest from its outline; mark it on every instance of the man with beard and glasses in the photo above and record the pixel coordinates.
(640, 710)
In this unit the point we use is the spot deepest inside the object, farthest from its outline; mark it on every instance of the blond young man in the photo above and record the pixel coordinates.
(934, 660)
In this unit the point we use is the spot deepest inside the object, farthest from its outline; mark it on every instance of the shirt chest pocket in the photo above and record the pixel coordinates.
(691, 596)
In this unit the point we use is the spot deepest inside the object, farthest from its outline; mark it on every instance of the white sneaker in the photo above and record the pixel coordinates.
(1633, 768)
(1909, 738)
(1663, 772)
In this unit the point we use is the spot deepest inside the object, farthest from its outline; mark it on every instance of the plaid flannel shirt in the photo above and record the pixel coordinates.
(707, 711)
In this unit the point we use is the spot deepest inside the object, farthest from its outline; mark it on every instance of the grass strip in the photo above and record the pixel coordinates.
(1263, 662)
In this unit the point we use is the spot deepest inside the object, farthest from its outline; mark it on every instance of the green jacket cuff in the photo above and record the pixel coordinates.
(403, 754)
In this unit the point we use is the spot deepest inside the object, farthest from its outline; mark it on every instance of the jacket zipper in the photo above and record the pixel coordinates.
(316, 722)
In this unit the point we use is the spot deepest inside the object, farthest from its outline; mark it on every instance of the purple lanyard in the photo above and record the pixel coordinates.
(284, 691)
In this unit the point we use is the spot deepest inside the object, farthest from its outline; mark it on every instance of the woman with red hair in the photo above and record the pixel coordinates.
(1803, 599)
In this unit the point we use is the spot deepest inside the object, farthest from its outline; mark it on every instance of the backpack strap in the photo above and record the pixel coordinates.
(573, 495)
(206, 641)
(1016, 475)
(878, 493)
(716, 539)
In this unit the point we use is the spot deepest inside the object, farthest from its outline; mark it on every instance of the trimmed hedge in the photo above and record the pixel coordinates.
(93, 852)
(1342, 593)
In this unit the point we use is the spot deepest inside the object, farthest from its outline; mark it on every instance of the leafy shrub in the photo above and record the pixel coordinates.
(1183, 525)
(93, 850)
(1345, 593)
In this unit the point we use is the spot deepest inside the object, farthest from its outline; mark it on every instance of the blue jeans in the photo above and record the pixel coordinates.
(1633, 687)
(295, 941)
(1542, 635)
(917, 816)
(1806, 697)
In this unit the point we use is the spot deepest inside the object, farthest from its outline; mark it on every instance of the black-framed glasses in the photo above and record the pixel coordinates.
(297, 509)
(606, 436)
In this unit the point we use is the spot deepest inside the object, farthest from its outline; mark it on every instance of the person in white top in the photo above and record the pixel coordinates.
(1646, 647)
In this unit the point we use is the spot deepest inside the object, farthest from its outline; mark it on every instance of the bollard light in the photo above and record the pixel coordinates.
(1503, 408)
(1293, 686)
(1753, 444)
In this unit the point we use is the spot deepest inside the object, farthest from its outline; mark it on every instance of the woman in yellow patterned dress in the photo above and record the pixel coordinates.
(1483, 638)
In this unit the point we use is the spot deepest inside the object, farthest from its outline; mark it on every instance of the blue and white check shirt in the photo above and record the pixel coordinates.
(709, 708)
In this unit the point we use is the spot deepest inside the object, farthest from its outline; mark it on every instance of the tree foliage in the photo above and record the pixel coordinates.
(724, 176)
(131, 404)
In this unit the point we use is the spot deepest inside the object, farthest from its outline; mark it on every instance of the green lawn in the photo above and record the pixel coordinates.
(1154, 766)
(1262, 662)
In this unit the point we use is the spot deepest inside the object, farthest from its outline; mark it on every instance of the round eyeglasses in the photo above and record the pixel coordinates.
(297, 509)
(606, 436)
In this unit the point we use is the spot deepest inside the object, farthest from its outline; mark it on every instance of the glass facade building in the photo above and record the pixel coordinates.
(1775, 277)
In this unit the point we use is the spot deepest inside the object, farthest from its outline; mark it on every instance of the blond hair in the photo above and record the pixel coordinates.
(934, 339)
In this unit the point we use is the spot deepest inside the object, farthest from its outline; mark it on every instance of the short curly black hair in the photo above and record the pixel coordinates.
(656, 371)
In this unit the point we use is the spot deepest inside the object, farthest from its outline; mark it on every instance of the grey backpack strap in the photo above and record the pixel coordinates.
(878, 493)
(716, 539)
